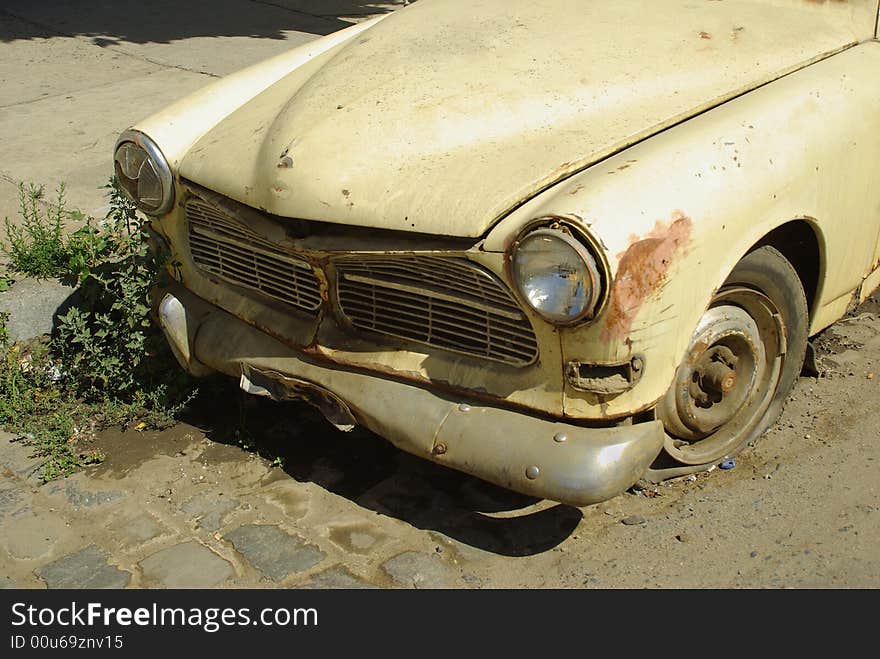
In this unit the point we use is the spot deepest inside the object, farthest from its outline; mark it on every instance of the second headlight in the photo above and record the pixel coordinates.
(557, 275)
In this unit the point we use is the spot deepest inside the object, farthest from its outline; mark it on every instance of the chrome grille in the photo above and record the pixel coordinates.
(447, 303)
(229, 250)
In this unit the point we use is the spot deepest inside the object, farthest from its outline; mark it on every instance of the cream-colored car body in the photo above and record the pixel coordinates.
(674, 135)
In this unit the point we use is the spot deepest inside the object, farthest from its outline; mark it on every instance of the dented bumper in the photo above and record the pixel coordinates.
(544, 458)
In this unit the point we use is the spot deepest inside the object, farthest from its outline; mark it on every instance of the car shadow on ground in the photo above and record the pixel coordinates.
(371, 472)
(164, 21)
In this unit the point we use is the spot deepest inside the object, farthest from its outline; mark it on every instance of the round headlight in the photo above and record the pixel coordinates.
(557, 276)
(143, 172)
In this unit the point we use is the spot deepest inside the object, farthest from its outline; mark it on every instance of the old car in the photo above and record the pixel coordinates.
(560, 245)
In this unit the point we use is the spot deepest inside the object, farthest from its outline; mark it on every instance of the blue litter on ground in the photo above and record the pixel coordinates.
(727, 463)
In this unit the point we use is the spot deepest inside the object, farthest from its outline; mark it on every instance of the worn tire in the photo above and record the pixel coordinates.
(743, 360)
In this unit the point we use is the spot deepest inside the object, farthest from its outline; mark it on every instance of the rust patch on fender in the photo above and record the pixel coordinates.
(641, 272)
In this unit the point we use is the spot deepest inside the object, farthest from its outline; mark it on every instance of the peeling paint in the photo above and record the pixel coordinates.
(641, 272)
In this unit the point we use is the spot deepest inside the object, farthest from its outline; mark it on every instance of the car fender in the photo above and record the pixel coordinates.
(675, 212)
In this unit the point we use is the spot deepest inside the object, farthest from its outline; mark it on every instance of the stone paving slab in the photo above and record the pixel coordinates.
(189, 513)
(166, 21)
(142, 529)
(210, 36)
(415, 570)
(79, 497)
(208, 510)
(274, 552)
(33, 305)
(187, 565)
(87, 568)
(336, 578)
(10, 498)
(33, 535)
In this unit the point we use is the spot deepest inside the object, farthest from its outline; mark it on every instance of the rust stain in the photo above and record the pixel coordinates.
(705, 35)
(641, 272)
(560, 170)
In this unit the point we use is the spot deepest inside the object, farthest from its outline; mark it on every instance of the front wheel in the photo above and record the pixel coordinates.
(743, 360)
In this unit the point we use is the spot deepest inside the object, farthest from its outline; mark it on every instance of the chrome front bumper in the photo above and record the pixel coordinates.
(542, 458)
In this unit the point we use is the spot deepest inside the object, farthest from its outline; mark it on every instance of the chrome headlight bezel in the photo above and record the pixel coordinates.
(583, 249)
(160, 167)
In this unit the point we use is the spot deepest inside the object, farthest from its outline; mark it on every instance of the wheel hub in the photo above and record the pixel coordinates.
(723, 378)
(719, 373)
(715, 375)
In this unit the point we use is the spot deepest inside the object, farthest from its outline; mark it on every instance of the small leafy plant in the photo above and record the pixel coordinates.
(107, 363)
(107, 343)
(39, 246)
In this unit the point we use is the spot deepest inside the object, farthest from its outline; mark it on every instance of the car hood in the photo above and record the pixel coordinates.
(449, 113)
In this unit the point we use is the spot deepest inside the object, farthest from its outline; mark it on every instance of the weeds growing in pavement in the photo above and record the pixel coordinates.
(38, 245)
(107, 364)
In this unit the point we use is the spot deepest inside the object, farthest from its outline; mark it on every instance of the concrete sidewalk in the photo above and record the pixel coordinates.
(74, 74)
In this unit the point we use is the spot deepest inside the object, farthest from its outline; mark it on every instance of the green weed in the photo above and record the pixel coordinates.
(4, 330)
(107, 365)
(39, 245)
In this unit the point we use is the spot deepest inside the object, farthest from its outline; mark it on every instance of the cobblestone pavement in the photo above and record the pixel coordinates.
(196, 514)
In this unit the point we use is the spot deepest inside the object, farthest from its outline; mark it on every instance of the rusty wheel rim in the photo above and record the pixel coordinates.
(729, 375)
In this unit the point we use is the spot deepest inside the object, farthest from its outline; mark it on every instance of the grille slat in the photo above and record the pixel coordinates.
(438, 294)
(210, 237)
(445, 302)
(260, 270)
(439, 274)
(266, 284)
(402, 305)
(452, 337)
(234, 253)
